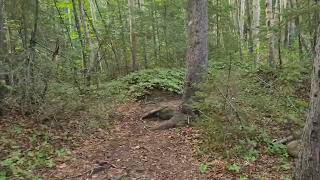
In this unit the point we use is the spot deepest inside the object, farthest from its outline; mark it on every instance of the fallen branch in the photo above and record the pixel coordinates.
(152, 113)
(284, 140)
(232, 107)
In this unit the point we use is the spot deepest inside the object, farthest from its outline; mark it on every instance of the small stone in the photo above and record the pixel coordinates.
(294, 148)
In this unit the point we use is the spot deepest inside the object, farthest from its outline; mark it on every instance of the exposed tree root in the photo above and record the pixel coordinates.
(163, 113)
(179, 119)
(153, 113)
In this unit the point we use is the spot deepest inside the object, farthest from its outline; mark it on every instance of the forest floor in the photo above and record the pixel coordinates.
(130, 150)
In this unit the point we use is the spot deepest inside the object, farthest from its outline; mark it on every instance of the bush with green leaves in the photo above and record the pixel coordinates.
(139, 84)
(19, 164)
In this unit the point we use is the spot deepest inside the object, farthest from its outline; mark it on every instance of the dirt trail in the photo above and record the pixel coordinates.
(131, 151)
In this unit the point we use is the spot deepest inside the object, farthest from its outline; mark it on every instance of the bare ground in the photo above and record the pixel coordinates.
(130, 150)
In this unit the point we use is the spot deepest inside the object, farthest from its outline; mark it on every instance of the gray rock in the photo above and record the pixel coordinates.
(294, 148)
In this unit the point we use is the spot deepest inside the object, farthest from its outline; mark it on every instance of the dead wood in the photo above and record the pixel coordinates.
(152, 113)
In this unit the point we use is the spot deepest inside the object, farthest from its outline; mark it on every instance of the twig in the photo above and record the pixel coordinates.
(232, 107)
(100, 167)
(284, 140)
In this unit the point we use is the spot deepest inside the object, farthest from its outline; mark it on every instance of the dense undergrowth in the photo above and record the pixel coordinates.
(37, 137)
(244, 110)
(139, 84)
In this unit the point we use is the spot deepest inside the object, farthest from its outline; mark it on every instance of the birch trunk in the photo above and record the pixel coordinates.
(277, 38)
(256, 28)
(270, 23)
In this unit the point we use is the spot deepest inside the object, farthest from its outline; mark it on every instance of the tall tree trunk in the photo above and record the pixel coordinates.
(144, 39)
(197, 55)
(316, 21)
(249, 26)
(270, 23)
(197, 61)
(308, 165)
(133, 37)
(123, 39)
(291, 26)
(256, 28)
(165, 32)
(85, 27)
(240, 25)
(31, 56)
(2, 31)
(218, 25)
(83, 49)
(241, 18)
(277, 39)
(154, 36)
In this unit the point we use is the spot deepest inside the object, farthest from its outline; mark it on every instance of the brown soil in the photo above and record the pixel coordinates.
(132, 151)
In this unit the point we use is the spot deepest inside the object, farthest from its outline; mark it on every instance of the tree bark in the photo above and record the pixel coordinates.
(88, 41)
(197, 55)
(308, 165)
(197, 61)
(83, 51)
(133, 38)
(270, 23)
(249, 26)
(32, 56)
(241, 18)
(123, 39)
(2, 30)
(256, 28)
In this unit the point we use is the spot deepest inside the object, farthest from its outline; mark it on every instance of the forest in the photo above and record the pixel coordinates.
(160, 89)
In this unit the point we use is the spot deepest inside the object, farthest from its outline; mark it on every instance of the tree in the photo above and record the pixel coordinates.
(83, 48)
(2, 30)
(270, 23)
(255, 27)
(308, 165)
(197, 61)
(133, 38)
(197, 55)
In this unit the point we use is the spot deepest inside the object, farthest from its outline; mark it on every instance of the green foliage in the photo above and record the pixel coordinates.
(234, 168)
(203, 168)
(139, 84)
(22, 164)
(277, 149)
(242, 178)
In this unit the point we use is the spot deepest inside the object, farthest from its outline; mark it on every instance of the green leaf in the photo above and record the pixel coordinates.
(203, 168)
(234, 168)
